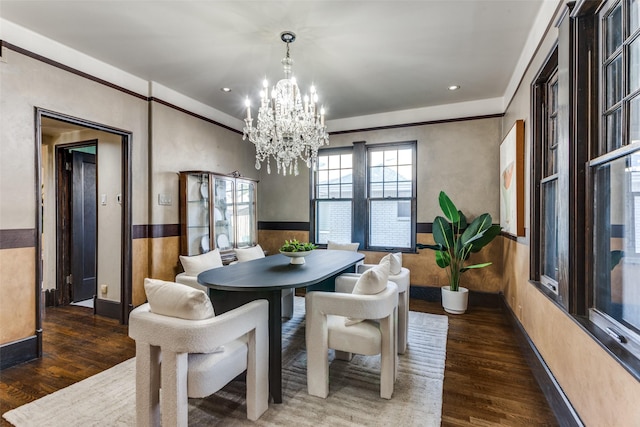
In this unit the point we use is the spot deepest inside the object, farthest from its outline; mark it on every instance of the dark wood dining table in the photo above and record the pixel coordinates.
(265, 278)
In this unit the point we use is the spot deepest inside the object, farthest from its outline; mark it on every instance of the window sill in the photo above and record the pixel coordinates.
(624, 357)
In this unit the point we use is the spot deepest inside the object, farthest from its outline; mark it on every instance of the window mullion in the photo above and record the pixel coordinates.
(360, 217)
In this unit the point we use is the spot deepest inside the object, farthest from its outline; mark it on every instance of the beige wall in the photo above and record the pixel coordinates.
(109, 171)
(599, 388)
(27, 84)
(184, 142)
(461, 158)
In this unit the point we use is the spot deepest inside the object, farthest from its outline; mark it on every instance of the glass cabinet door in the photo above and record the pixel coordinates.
(216, 211)
(197, 213)
(223, 213)
(245, 213)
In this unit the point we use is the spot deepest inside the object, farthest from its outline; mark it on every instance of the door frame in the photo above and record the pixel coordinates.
(119, 310)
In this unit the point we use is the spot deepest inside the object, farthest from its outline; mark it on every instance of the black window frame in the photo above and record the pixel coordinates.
(314, 200)
(360, 226)
(622, 341)
(540, 169)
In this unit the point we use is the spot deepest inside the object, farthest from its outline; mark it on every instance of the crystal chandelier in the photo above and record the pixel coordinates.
(289, 127)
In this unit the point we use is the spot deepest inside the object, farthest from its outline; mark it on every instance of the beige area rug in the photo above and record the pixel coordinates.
(108, 398)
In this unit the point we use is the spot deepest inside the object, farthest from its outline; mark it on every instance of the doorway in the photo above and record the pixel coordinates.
(84, 215)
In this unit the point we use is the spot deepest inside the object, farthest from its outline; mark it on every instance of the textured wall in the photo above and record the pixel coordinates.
(18, 296)
(27, 84)
(184, 142)
(461, 158)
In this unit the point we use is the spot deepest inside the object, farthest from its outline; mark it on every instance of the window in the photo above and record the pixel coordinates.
(544, 262)
(333, 197)
(548, 189)
(367, 195)
(615, 170)
(390, 189)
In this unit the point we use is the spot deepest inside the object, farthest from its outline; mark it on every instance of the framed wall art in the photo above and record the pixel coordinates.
(512, 180)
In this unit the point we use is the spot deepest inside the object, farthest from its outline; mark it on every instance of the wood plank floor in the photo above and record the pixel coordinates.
(487, 381)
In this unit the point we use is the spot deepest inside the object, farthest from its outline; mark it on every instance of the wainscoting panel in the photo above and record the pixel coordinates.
(18, 301)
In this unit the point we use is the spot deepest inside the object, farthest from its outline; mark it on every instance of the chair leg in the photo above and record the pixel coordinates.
(395, 354)
(147, 384)
(174, 399)
(257, 396)
(403, 321)
(343, 355)
(388, 356)
(317, 354)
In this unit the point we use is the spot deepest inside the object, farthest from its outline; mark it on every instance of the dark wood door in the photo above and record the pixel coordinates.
(83, 226)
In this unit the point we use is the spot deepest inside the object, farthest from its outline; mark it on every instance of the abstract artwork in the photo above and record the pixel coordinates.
(512, 181)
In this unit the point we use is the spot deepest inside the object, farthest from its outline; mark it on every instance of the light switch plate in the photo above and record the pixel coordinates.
(164, 199)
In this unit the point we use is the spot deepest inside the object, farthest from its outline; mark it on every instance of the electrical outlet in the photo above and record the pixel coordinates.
(104, 288)
(435, 279)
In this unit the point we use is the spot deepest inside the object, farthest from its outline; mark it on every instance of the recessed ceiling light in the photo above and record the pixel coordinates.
(225, 89)
(454, 87)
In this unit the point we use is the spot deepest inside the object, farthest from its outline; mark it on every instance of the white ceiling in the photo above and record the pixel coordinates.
(365, 57)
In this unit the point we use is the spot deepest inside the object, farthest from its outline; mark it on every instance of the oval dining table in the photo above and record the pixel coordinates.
(234, 285)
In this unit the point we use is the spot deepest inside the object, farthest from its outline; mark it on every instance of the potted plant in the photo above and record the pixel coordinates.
(455, 240)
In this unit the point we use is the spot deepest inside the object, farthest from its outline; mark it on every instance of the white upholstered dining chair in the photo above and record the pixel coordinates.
(349, 246)
(187, 351)
(401, 276)
(360, 317)
(196, 264)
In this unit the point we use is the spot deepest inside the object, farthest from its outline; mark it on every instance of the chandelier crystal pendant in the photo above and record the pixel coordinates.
(289, 126)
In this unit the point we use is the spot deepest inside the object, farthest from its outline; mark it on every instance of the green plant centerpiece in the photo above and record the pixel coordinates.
(296, 250)
(455, 240)
(295, 246)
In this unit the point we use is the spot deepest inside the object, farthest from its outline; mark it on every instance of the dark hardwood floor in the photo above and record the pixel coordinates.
(486, 382)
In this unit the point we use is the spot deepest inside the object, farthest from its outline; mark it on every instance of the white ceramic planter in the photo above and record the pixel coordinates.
(455, 302)
(296, 257)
